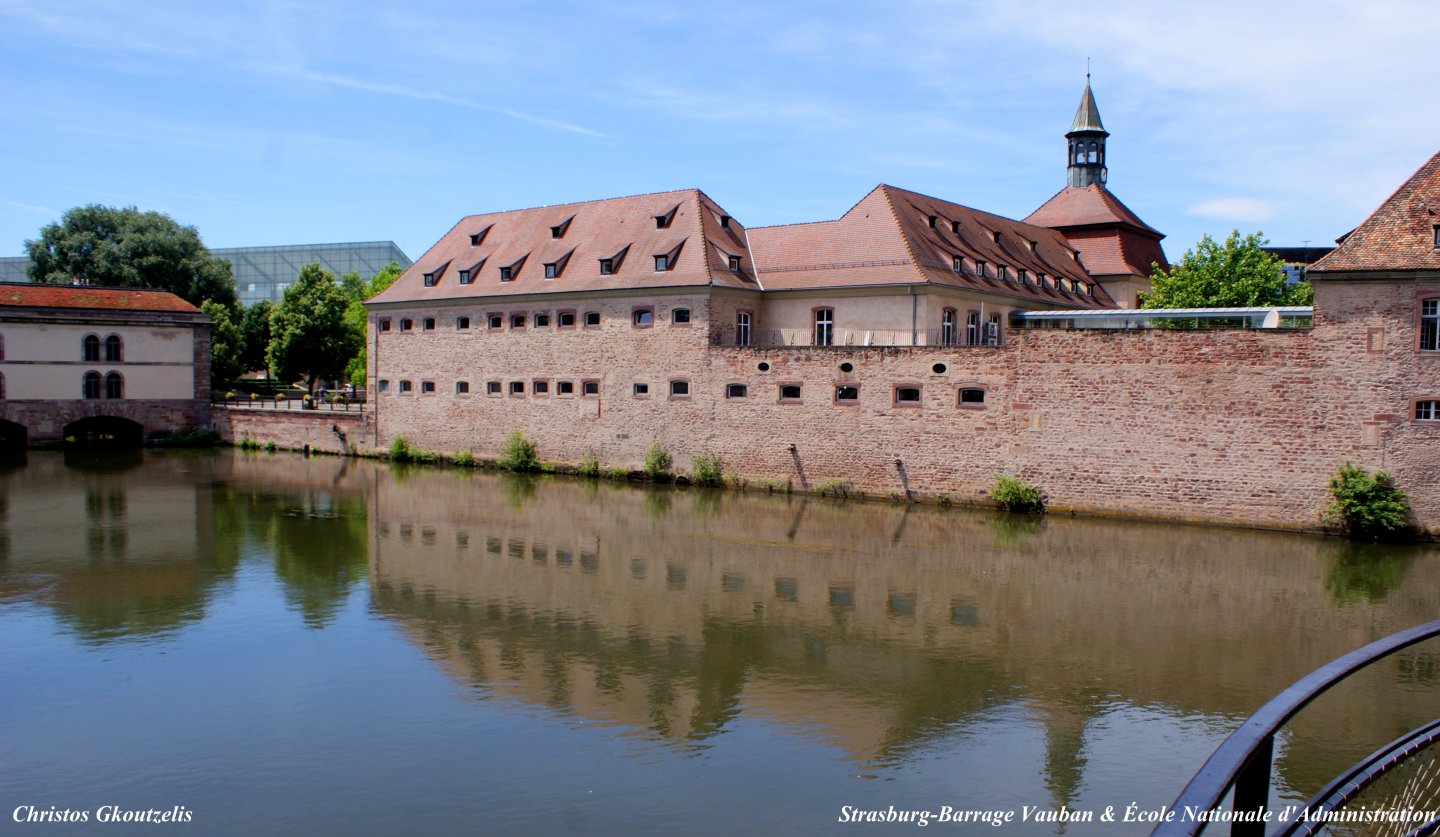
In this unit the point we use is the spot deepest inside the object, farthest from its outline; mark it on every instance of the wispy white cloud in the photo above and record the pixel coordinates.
(31, 208)
(1234, 209)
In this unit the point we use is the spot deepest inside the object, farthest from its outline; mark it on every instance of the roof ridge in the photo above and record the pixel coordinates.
(1434, 160)
(900, 227)
(580, 202)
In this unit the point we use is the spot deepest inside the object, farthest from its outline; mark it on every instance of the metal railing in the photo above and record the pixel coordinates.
(330, 402)
(1243, 761)
(804, 338)
(1280, 317)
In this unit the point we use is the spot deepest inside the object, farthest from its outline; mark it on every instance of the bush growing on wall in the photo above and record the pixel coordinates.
(707, 469)
(657, 462)
(1016, 495)
(518, 454)
(1367, 506)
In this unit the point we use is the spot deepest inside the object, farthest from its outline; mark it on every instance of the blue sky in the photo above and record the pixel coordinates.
(303, 122)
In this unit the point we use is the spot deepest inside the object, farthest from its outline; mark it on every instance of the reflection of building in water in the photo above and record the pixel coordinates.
(878, 626)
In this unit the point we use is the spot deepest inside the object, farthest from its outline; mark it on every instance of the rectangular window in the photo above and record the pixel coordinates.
(382, 385)
(427, 386)
(497, 321)
(679, 389)
(907, 396)
(789, 392)
(567, 319)
(992, 331)
(1024, 276)
(824, 327)
(462, 323)
(734, 264)
(551, 271)
(742, 328)
(542, 320)
(428, 323)
(847, 394)
(737, 391)
(592, 319)
(680, 316)
(492, 387)
(1427, 410)
(643, 317)
(462, 387)
(540, 388)
(1430, 325)
(405, 386)
(641, 390)
(517, 387)
(1003, 272)
(565, 388)
(958, 264)
(980, 269)
(662, 263)
(406, 325)
(607, 267)
(465, 277)
(972, 397)
(507, 274)
(591, 388)
(385, 324)
(517, 321)
(1437, 236)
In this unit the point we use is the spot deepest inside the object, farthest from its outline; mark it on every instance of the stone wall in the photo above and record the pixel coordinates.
(318, 430)
(1231, 426)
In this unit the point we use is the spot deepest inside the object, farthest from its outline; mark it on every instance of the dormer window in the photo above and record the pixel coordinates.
(955, 227)
(478, 238)
(558, 231)
(734, 264)
(429, 280)
(607, 267)
(997, 236)
(666, 261)
(464, 277)
(507, 274)
(555, 268)
(1031, 245)
(1024, 276)
(550, 272)
(662, 222)
(613, 263)
(1437, 236)
(433, 277)
(725, 222)
(958, 264)
(933, 220)
(1003, 271)
(980, 269)
(662, 262)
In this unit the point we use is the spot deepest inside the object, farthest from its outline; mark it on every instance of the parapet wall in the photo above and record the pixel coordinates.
(316, 430)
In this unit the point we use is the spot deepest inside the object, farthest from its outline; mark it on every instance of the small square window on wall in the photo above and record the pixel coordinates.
(566, 319)
(496, 321)
(382, 385)
(662, 262)
(540, 388)
(405, 386)
(642, 317)
(517, 321)
(641, 390)
(462, 387)
(507, 274)
(406, 324)
(734, 264)
(607, 267)
(907, 396)
(565, 388)
(789, 392)
(590, 388)
(972, 397)
(492, 388)
(1427, 410)
(592, 319)
(847, 394)
(737, 391)
(384, 324)
(680, 316)
(542, 320)
(679, 389)
(462, 323)
(427, 386)
(428, 323)
(517, 387)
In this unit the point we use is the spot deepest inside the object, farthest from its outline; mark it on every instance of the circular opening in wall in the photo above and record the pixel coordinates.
(763, 366)
(847, 367)
(938, 369)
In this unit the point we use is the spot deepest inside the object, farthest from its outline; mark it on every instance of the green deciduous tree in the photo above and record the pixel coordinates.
(128, 248)
(1235, 274)
(309, 338)
(226, 345)
(357, 291)
(255, 329)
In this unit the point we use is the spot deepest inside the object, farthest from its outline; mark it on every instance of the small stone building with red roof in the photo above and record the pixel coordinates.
(117, 364)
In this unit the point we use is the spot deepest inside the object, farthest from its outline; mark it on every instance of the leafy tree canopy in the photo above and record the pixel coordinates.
(128, 248)
(226, 345)
(359, 290)
(309, 338)
(255, 332)
(1235, 274)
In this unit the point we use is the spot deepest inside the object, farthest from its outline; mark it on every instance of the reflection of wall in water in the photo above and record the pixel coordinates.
(854, 605)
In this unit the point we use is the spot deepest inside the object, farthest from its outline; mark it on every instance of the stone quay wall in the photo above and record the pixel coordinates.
(317, 430)
(1225, 426)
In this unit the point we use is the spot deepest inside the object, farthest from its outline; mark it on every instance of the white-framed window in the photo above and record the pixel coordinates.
(972, 328)
(1430, 325)
(742, 328)
(824, 327)
(948, 327)
(1427, 410)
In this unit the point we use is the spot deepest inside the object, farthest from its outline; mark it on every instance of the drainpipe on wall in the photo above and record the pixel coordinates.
(914, 316)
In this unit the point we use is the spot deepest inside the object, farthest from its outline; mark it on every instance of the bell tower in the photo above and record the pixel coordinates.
(1086, 143)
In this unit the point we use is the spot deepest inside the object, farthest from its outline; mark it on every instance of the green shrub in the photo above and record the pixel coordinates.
(1016, 495)
(657, 462)
(270, 447)
(707, 469)
(1367, 506)
(400, 450)
(589, 466)
(247, 443)
(463, 459)
(833, 487)
(518, 453)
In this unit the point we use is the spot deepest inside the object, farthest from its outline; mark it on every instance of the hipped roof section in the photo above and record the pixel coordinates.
(887, 239)
(1400, 235)
(595, 230)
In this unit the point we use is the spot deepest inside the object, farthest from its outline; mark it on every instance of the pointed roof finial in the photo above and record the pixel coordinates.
(1087, 116)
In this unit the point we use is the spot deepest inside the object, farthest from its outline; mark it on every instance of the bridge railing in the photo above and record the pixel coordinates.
(1243, 761)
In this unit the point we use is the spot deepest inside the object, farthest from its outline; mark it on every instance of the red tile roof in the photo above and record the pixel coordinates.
(1112, 239)
(1093, 204)
(622, 229)
(29, 295)
(887, 239)
(1400, 235)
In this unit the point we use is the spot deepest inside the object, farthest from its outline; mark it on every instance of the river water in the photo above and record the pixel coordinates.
(277, 644)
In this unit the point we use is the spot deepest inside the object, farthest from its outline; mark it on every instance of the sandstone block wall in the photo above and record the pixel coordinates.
(293, 429)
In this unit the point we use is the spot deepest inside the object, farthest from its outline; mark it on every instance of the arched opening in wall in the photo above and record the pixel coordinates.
(104, 432)
(13, 437)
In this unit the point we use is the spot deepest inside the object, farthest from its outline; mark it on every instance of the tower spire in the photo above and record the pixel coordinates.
(1085, 163)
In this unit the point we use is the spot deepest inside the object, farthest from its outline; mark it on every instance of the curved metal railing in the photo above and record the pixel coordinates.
(1243, 761)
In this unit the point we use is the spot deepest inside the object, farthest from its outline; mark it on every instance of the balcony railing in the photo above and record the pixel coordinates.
(852, 338)
(330, 402)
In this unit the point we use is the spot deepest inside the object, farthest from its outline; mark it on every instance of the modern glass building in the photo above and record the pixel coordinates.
(265, 272)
